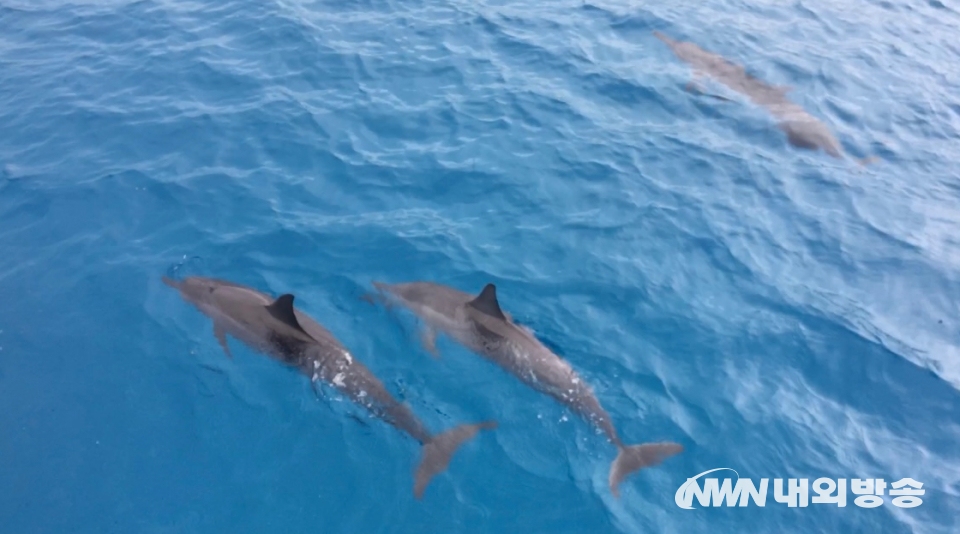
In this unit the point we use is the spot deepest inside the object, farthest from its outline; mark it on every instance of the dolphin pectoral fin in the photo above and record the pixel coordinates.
(221, 336)
(718, 97)
(317, 385)
(630, 458)
(378, 297)
(357, 418)
(440, 449)
(318, 390)
(428, 336)
(373, 298)
(693, 87)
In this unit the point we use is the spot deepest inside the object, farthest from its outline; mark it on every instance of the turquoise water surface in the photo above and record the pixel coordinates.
(777, 311)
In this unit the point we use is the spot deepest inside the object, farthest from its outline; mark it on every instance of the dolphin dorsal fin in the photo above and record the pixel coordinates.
(282, 310)
(486, 302)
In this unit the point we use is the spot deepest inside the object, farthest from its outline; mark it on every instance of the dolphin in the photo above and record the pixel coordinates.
(275, 327)
(478, 323)
(803, 130)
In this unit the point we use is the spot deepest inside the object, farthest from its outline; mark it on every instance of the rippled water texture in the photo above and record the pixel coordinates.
(777, 311)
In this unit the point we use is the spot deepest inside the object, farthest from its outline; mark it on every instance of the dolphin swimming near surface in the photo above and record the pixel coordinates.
(478, 323)
(275, 327)
(803, 130)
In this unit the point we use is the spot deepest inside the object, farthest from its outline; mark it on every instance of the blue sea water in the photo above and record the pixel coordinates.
(776, 311)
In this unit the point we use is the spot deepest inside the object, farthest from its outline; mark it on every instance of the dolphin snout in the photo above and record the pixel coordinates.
(663, 37)
(170, 282)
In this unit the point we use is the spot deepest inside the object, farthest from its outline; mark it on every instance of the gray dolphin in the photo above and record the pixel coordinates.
(803, 130)
(275, 327)
(478, 323)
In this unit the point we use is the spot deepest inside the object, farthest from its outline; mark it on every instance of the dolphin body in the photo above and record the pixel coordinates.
(275, 327)
(478, 323)
(803, 129)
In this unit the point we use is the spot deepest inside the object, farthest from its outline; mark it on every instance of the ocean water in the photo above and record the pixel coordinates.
(777, 311)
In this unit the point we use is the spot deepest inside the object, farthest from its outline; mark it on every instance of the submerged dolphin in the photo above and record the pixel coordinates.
(480, 325)
(803, 129)
(275, 327)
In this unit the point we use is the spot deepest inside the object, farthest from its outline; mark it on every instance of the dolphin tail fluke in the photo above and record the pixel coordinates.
(634, 457)
(440, 449)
